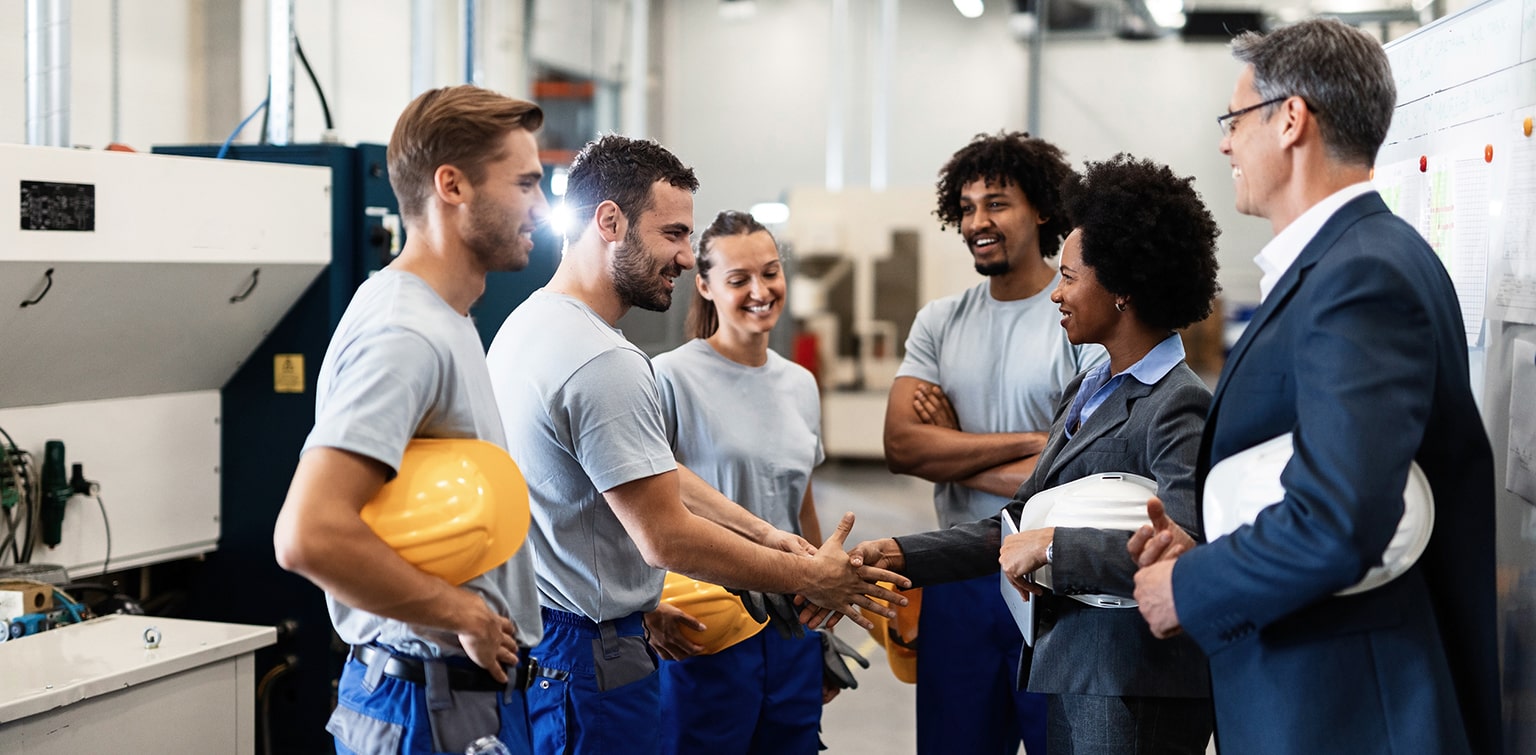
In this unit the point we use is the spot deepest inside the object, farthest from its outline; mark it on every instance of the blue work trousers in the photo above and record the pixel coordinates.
(394, 718)
(761, 696)
(596, 690)
(968, 699)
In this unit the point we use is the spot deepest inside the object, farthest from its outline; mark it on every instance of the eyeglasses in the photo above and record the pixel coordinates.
(1226, 122)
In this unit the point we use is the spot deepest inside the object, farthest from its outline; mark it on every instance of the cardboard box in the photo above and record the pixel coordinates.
(18, 597)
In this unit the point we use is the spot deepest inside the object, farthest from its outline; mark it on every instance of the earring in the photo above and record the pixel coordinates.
(1120, 306)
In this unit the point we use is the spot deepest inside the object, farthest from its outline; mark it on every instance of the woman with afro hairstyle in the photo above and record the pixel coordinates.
(1139, 264)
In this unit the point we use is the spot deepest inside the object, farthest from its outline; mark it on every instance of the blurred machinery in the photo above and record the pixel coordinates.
(144, 285)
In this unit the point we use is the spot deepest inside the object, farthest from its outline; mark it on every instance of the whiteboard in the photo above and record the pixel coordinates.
(1460, 164)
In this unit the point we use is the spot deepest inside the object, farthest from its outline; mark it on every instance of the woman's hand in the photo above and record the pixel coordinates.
(1022, 554)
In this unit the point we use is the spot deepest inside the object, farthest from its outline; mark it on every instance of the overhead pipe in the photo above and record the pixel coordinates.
(473, 71)
(634, 112)
(423, 46)
(280, 71)
(884, 61)
(47, 72)
(837, 95)
(1036, 62)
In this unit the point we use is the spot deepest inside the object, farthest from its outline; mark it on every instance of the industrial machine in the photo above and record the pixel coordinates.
(135, 288)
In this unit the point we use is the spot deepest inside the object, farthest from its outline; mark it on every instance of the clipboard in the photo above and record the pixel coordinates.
(1023, 610)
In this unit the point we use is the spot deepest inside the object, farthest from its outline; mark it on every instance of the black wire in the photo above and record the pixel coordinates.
(108, 559)
(8, 440)
(324, 108)
(266, 113)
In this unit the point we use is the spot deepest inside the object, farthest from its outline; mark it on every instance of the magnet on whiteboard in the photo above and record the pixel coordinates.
(1423, 164)
(1488, 153)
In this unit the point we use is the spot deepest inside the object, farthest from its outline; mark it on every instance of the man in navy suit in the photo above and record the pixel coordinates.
(1359, 350)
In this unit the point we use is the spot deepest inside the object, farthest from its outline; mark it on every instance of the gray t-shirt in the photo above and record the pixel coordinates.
(401, 365)
(754, 433)
(580, 407)
(1003, 365)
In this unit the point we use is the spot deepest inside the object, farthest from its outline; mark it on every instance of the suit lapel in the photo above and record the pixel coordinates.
(1105, 420)
(1326, 237)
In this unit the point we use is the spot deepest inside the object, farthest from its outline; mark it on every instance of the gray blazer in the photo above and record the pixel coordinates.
(1153, 431)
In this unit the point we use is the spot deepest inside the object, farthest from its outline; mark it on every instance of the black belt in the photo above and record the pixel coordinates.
(466, 679)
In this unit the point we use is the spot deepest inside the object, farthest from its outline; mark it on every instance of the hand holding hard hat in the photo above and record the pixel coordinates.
(1106, 501)
(457, 508)
(1242, 485)
(726, 621)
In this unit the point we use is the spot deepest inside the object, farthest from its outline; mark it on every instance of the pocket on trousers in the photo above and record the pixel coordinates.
(364, 734)
(471, 716)
(632, 663)
(548, 700)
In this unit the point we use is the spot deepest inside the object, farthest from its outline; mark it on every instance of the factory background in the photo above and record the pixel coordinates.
(163, 370)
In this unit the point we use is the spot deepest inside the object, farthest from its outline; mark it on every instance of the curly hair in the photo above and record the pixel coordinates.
(1007, 158)
(624, 170)
(1147, 236)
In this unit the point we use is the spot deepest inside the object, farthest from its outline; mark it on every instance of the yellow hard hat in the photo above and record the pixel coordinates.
(726, 618)
(899, 636)
(457, 509)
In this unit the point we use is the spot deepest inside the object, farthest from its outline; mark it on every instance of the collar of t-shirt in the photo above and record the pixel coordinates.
(1098, 384)
(1277, 256)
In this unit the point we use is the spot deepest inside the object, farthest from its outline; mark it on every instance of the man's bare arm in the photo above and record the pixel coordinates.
(943, 454)
(671, 537)
(320, 535)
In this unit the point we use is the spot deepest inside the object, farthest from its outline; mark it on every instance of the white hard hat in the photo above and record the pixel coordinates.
(1242, 485)
(1107, 501)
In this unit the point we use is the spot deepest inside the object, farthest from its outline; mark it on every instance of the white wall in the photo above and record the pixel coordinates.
(156, 72)
(745, 102)
(178, 56)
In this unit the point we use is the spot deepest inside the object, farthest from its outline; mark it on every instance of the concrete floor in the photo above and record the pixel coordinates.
(876, 718)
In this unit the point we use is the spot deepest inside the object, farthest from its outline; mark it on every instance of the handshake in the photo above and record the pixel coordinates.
(830, 584)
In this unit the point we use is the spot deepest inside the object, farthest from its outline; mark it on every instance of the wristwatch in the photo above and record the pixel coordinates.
(1050, 552)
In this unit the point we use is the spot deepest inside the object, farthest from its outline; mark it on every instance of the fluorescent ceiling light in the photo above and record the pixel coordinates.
(770, 213)
(969, 8)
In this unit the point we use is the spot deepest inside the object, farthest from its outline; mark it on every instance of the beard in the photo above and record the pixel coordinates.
(993, 268)
(494, 239)
(637, 277)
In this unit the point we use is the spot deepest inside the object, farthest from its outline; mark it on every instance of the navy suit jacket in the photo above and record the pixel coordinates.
(1360, 351)
(1149, 430)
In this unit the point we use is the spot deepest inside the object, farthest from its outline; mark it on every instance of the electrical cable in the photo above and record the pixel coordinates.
(264, 696)
(325, 108)
(70, 605)
(266, 115)
(105, 562)
(225, 149)
(18, 467)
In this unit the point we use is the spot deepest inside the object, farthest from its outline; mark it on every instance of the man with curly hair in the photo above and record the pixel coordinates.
(969, 412)
(612, 509)
(1357, 351)
(1139, 264)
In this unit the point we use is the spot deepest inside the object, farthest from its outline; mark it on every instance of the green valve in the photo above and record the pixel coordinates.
(9, 494)
(56, 492)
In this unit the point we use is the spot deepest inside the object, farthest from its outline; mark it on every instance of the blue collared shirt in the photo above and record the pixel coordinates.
(1098, 384)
